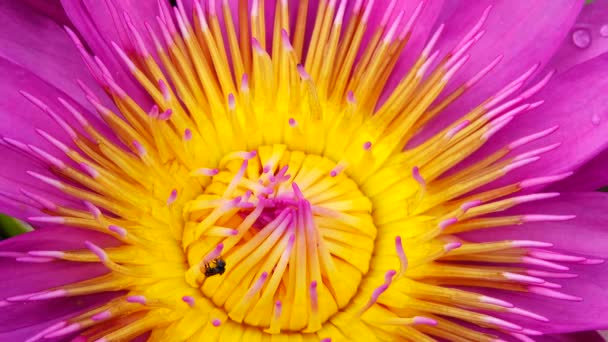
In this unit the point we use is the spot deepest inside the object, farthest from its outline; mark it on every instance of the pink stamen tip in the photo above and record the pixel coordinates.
(350, 97)
(543, 263)
(93, 209)
(215, 253)
(418, 177)
(100, 253)
(89, 170)
(367, 146)
(64, 331)
(447, 222)
(231, 101)
(38, 260)
(552, 293)
(495, 301)
(535, 197)
(154, 112)
(459, 127)
(502, 323)
(49, 295)
(47, 204)
(166, 115)
(496, 126)
(452, 246)
(292, 122)
(538, 151)
(520, 278)
(187, 134)
(529, 243)
(189, 300)
(56, 162)
(519, 163)
(216, 322)
(48, 254)
(387, 14)
(50, 329)
(249, 155)
(285, 40)
(589, 261)
(118, 230)
(245, 82)
(256, 46)
(102, 315)
(532, 137)
(137, 299)
(63, 147)
(469, 205)
(296, 190)
(164, 90)
(544, 180)
(172, 197)
(141, 150)
(46, 219)
(526, 313)
(424, 321)
(303, 74)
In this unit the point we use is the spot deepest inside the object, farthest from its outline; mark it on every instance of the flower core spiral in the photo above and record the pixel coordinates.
(267, 187)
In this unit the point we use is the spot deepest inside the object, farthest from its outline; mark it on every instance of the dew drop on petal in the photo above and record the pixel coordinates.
(604, 30)
(595, 119)
(581, 38)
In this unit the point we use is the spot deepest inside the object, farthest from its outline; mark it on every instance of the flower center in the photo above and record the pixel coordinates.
(296, 236)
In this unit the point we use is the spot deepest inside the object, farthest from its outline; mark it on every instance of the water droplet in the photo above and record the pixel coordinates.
(581, 38)
(595, 119)
(604, 30)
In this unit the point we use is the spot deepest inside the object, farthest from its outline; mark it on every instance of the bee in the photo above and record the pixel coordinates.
(219, 268)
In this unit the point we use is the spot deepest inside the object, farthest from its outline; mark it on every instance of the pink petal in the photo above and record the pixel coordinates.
(576, 107)
(586, 336)
(525, 32)
(51, 9)
(586, 235)
(101, 22)
(42, 47)
(19, 119)
(27, 319)
(593, 175)
(591, 26)
(20, 278)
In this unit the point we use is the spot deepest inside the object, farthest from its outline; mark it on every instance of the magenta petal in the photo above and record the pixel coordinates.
(19, 119)
(579, 110)
(587, 336)
(101, 22)
(524, 32)
(586, 235)
(592, 176)
(586, 40)
(27, 318)
(51, 9)
(21, 277)
(42, 47)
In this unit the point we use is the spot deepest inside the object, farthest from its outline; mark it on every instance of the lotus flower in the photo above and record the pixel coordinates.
(312, 170)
